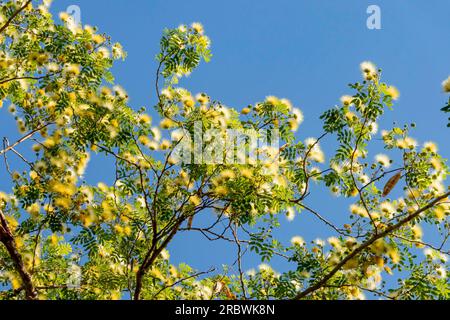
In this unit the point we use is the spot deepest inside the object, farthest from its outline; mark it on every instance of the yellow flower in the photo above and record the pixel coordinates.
(290, 214)
(221, 190)
(195, 200)
(227, 174)
(37, 147)
(127, 230)
(369, 70)
(189, 102)
(119, 229)
(394, 255)
(15, 283)
(202, 98)
(245, 111)
(378, 247)
(167, 123)
(98, 38)
(346, 100)
(430, 147)
(246, 173)
(34, 175)
(446, 85)
(116, 295)
(73, 69)
(54, 239)
(63, 189)
(172, 161)
(12, 223)
(145, 119)
(358, 210)
(393, 92)
(440, 212)
(63, 203)
(34, 209)
(165, 144)
(103, 187)
(417, 232)
(406, 143)
(197, 27)
(64, 16)
(351, 264)
(383, 160)
(272, 100)
(297, 241)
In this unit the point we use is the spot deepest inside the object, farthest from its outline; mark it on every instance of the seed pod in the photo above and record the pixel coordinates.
(228, 293)
(391, 184)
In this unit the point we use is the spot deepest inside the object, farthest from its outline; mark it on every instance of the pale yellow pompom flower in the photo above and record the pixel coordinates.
(446, 85)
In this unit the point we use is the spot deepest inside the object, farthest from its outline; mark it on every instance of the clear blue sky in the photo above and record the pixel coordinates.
(307, 51)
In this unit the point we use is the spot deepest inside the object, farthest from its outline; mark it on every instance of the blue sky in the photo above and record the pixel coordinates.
(306, 51)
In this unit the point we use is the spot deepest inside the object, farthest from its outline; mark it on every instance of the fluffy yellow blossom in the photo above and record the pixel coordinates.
(62, 188)
(441, 212)
(103, 187)
(165, 144)
(417, 232)
(221, 190)
(227, 174)
(346, 100)
(246, 173)
(378, 247)
(195, 200)
(188, 102)
(34, 209)
(358, 210)
(98, 38)
(72, 69)
(290, 214)
(446, 85)
(63, 202)
(298, 241)
(198, 27)
(246, 111)
(383, 160)
(34, 175)
(430, 147)
(167, 123)
(172, 161)
(393, 92)
(406, 143)
(387, 208)
(334, 242)
(369, 70)
(394, 255)
(64, 16)
(145, 119)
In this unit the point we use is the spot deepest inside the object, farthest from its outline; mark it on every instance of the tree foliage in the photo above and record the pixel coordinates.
(63, 238)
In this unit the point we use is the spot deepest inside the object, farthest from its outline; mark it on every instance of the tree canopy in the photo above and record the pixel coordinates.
(63, 238)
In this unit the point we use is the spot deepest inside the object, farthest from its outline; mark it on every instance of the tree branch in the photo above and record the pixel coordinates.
(366, 244)
(15, 14)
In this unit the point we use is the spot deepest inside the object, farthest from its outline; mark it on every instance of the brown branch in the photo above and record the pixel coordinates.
(7, 238)
(148, 262)
(360, 190)
(366, 244)
(305, 164)
(14, 16)
(239, 260)
(182, 280)
(24, 138)
(328, 223)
